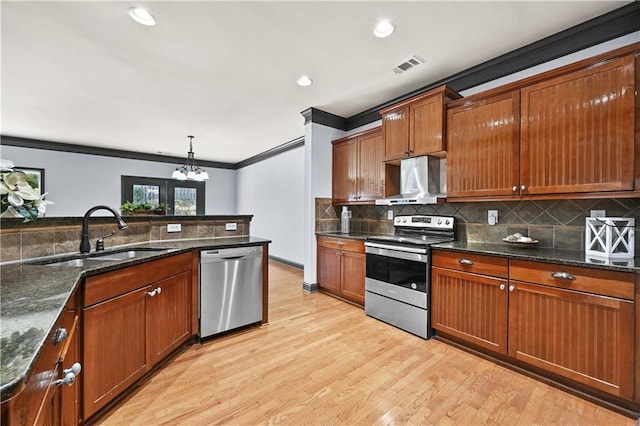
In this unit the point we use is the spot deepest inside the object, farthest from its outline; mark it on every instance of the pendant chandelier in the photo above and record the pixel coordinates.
(190, 171)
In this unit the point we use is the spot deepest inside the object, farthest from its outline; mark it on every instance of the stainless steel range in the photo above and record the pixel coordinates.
(397, 284)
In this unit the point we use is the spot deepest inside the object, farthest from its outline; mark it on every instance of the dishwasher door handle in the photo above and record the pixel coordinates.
(233, 257)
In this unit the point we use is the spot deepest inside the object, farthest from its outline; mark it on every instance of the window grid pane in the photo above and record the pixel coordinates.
(185, 201)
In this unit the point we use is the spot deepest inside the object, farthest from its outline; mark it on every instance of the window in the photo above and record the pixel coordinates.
(183, 198)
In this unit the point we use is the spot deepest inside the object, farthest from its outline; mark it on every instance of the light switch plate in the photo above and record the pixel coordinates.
(174, 227)
(598, 213)
(232, 226)
(390, 214)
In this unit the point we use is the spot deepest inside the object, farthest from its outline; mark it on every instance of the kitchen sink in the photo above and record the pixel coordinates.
(97, 259)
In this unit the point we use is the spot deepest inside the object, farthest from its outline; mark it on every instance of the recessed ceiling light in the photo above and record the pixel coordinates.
(383, 29)
(142, 16)
(304, 81)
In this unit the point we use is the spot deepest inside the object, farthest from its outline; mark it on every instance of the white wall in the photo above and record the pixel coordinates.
(76, 182)
(273, 191)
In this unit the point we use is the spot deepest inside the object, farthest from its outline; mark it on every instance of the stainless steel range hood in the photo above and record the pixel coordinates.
(421, 182)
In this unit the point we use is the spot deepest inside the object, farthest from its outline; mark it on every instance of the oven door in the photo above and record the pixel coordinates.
(396, 274)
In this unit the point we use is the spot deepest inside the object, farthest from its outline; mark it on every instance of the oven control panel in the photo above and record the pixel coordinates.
(421, 221)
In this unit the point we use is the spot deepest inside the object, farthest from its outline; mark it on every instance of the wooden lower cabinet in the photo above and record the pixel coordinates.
(114, 348)
(342, 267)
(471, 307)
(168, 317)
(44, 401)
(584, 337)
(574, 323)
(126, 335)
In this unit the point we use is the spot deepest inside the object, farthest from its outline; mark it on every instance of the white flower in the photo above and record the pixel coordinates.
(6, 165)
(18, 197)
(10, 212)
(41, 204)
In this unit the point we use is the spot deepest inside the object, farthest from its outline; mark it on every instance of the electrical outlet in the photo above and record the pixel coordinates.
(492, 217)
(174, 227)
(598, 213)
(232, 226)
(390, 214)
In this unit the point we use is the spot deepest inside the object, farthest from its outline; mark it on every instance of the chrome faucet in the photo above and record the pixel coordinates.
(85, 246)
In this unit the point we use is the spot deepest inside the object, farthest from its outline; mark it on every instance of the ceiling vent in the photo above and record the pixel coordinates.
(412, 62)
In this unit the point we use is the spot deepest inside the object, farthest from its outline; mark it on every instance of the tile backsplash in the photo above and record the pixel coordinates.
(49, 236)
(558, 224)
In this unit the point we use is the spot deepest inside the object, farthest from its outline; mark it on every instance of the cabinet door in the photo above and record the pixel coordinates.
(329, 269)
(353, 273)
(345, 170)
(578, 131)
(581, 336)
(371, 167)
(470, 307)
(168, 316)
(70, 395)
(395, 133)
(113, 348)
(426, 127)
(483, 148)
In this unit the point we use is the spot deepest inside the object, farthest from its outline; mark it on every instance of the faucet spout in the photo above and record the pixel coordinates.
(85, 246)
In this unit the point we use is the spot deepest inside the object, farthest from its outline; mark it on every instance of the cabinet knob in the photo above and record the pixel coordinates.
(563, 276)
(61, 335)
(523, 187)
(76, 368)
(502, 286)
(465, 262)
(514, 188)
(512, 287)
(152, 293)
(69, 375)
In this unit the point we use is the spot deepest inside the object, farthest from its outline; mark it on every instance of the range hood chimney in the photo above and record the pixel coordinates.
(420, 182)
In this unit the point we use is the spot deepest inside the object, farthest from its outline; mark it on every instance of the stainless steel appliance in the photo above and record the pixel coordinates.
(397, 283)
(230, 289)
(422, 181)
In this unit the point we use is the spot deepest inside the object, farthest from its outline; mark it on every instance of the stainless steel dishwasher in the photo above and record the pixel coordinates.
(230, 289)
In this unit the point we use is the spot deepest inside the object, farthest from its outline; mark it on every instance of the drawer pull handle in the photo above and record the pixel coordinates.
(502, 286)
(465, 262)
(563, 276)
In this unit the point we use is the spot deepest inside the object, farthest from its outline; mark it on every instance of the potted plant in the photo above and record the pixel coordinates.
(130, 208)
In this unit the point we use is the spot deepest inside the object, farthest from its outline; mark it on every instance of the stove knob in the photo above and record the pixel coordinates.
(439, 221)
(446, 222)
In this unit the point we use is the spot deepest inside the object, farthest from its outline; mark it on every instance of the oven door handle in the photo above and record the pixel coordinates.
(407, 253)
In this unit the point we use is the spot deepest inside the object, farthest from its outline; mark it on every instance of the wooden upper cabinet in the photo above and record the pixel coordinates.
(578, 131)
(344, 170)
(484, 147)
(370, 166)
(358, 168)
(416, 127)
(395, 132)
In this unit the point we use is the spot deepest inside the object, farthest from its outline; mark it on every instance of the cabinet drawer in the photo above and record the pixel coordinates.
(597, 281)
(474, 263)
(346, 244)
(111, 284)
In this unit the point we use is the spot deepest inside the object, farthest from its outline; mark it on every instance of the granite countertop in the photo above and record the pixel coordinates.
(34, 296)
(562, 257)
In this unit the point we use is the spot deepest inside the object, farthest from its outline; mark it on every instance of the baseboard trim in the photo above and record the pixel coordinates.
(286, 262)
(310, 288)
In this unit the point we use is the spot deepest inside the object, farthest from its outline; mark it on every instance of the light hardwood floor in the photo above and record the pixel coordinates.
(323, 361)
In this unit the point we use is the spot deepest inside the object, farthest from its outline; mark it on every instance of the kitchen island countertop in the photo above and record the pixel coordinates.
(34, 296)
